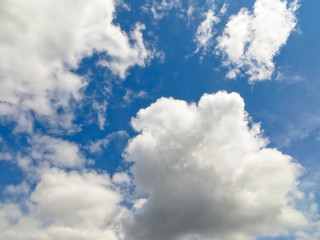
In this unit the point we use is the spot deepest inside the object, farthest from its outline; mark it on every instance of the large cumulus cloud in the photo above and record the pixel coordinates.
(208, 173)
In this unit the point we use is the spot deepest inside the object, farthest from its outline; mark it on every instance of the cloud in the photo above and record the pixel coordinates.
(224, 8)
(313, 230)
(42, 42)
(251, 40)
(209, 174)
(159, 9)
(45, 152)
(131, 95)
(17, 190)
(121, 177)
(66, 206)
(204, 34)
(5, 156)
(98, 146)
(101, 110)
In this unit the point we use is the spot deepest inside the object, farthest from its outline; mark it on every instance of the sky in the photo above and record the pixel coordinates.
(159, 120)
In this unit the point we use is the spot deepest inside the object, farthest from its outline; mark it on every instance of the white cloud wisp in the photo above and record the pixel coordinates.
(204, 34)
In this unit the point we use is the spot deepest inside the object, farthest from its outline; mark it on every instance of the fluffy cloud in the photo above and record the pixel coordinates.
(252, 39)
(55, 151)
(66, 206)
(45, 152)
(208, 173)
(41, 42)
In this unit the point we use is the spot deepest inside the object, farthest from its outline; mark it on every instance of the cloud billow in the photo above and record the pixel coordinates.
(208, 174)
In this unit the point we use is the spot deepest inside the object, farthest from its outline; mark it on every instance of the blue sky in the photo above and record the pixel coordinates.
(152, 120)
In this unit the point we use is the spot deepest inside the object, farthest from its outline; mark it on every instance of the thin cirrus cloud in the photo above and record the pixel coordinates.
(209, 174)
(251, 40)
(159, 9)
(41, 42)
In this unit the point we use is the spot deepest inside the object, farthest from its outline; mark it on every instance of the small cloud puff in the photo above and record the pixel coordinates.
(251, 39)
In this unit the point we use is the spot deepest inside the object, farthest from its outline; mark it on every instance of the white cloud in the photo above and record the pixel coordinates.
(252, 39)
(124, 55)
(121, 177)
(224, 8)
(101, 110)
(312, 210)
(65, 206)
(17, 190)
(56, 152)
(139, 203)
(131, 95)
(204, 34)
(5, 156)
(159, 9)
(41, 42)
(98, 146)
(208, 173)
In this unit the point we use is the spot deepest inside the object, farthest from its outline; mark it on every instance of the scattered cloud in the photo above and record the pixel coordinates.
(208, 173)
(98, 146)
(193, 171)
(131, 95)
(250, 42)
(101, 110)
(159, 9)
(204, 35)
(224, 8)
(313, 231)
(5, 156)
(17, 190)
(42, 42)
(121, 177)
(46, 151)
(66, 206)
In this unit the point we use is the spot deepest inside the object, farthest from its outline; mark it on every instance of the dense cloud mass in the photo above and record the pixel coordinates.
(208, 173)
(252, 39)
(41, 42)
